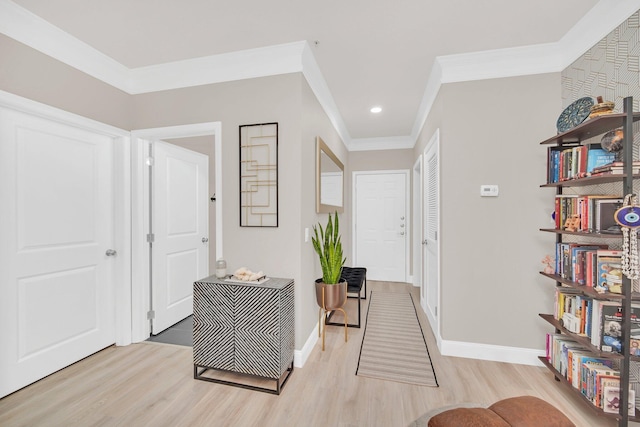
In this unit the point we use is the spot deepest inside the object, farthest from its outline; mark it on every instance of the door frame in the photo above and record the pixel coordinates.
(416, 236)
(121, 198)
(408, 223)
(141, 275)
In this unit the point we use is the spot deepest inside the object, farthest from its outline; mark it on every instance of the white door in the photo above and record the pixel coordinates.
(431, 273)
(179, 223)
(381, 225)
(56, 223)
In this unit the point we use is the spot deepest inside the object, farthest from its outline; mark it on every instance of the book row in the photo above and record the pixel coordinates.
(600, 321)
(566, 163)
(588, 213)
(594, 266)
(597, 378)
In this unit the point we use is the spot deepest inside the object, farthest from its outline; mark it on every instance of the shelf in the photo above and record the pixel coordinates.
(583, 233)
(588, 291)
(581, 339)
(589, 180)
(590, 128)
(583, 399)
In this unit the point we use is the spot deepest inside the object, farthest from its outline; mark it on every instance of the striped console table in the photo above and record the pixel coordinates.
(246, 329)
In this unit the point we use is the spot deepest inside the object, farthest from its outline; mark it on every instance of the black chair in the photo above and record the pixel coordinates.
(356, 278)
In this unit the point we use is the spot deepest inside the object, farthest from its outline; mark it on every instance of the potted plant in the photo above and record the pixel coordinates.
(331, 294)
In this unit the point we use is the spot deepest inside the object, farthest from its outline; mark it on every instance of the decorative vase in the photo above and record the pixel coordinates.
(334, 295)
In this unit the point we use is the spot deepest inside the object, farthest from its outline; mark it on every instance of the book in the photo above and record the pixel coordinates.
(611, 333)
(598, 156)
(611, 400)
(607, 261)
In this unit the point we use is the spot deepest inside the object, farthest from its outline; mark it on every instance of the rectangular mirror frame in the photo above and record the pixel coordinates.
(321, 147)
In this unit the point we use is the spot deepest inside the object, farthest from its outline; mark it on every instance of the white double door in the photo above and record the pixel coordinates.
(180, 226)
(57, 226)
(381, 224)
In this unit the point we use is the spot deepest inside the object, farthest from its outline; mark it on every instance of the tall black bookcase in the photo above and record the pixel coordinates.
(624, 184)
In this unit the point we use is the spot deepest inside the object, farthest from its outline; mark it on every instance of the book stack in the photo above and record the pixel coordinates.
(597, 378)
(594, 210)
(615, 168)
(565, 163)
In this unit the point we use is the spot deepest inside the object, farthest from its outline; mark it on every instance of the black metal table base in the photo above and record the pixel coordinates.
(280, 382)
(357, 275)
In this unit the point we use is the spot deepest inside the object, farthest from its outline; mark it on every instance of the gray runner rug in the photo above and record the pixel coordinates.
(393, 345)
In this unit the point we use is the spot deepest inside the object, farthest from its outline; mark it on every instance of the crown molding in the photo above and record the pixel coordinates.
(31, 30)
(603, 18)
(239, 65)
(319, 87)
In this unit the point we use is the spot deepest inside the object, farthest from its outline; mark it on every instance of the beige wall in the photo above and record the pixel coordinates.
(274, 250)
(381, 160)
(316, 123)
(490, 247)
(33, 75)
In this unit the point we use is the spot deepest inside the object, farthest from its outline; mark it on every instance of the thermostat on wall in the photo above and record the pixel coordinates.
(489, 190)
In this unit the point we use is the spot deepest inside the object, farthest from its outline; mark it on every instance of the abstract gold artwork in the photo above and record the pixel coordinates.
(259, 175)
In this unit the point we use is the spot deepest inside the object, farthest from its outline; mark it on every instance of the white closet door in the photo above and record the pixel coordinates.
(56, 223)
(431, 282)
(180, 224)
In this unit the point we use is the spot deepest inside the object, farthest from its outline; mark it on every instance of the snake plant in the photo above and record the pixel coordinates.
(329, 248)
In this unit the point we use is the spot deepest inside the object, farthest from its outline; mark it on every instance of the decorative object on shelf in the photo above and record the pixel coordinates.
(572, 223)
(601, 108)
(221, 268)
(612, 142)
(547, 261)
(574, 114)
(331, 293)
(628, 217)
(259, 175)
(245, 275)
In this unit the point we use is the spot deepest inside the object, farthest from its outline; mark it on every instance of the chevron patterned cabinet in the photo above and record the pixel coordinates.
(244, 328)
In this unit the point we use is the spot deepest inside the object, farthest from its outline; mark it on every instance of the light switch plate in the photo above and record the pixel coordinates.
(489, 190)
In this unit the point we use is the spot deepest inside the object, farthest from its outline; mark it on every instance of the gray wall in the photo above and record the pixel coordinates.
(490, 247)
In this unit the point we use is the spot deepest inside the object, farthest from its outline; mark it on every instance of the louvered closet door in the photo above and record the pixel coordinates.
(431, 281)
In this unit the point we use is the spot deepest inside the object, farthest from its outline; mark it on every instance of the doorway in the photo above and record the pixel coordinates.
(380, 224)
(143, 256)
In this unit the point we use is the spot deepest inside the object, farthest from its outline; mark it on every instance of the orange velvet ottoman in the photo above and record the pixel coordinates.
(522, 411)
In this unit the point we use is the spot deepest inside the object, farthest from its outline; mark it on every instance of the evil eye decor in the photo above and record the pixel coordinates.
(628, 216)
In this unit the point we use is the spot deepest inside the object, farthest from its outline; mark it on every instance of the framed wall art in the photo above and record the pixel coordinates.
(259, 175)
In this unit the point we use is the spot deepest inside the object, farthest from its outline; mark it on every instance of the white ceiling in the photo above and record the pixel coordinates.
(369, 52)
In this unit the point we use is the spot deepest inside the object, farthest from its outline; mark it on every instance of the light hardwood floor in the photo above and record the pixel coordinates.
(151, 384)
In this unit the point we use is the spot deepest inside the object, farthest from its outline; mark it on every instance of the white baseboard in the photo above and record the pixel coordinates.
(300, 356)
(495, 353)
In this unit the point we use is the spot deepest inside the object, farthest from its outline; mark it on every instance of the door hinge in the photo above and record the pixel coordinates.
(151, 315)
(149, 161)
(436, 310)
(151, 238)
(436, 235)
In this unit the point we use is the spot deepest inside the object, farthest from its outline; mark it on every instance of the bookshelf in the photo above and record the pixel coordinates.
(624, 185)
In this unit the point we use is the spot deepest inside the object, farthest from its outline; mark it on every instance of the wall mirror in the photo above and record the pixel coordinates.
(329, 180)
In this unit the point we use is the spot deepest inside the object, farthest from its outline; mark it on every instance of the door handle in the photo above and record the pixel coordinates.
(402, 233)
(205, 239)
(110, 252)
(424, 242)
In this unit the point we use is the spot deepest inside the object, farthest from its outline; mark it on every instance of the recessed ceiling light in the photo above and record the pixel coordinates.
(376, 109)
